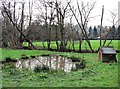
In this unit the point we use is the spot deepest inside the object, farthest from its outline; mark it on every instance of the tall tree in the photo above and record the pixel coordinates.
(30, 20)
(22, 23)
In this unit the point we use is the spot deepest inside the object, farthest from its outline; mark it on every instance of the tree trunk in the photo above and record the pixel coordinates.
(80, 44)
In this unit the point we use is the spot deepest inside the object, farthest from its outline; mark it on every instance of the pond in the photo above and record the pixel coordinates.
(51, 62)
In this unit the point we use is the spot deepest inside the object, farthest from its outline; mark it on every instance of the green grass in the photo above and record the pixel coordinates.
(94, 43)
(93, 77)
(15, 54)
(95, 74)
(18, 53)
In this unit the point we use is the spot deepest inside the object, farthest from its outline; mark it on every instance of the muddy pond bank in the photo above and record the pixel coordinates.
(48, 62)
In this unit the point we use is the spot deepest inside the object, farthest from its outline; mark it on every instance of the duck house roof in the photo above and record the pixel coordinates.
(108, 50)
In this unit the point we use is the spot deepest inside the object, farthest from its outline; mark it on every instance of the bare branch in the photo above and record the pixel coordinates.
(7, 12)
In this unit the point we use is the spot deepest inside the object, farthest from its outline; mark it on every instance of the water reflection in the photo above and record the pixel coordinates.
(53, 62)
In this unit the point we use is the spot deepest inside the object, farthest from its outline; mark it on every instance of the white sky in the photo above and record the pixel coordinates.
(109, 5)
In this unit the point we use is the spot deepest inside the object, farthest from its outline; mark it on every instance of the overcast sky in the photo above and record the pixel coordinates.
(109, 5)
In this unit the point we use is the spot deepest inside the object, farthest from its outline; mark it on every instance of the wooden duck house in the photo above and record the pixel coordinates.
(107, 54)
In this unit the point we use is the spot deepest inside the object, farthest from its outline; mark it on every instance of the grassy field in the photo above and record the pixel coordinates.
(95, 74)
(94, 43)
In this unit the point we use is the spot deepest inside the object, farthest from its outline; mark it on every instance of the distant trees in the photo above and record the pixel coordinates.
(95, 33)
(112, 33)
(118, 32)
(51, 22)
(107, 32)
(90, 32)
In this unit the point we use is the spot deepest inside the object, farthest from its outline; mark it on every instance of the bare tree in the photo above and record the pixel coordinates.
(7, 32)
(61, 15)
(113, 19)
(112, 30)
(51, 19)
(58, 22)
(84, 13)
(73, 33)
(22, 23)
(47, 9)
(18, 27)
(101, 25)
(30, 19)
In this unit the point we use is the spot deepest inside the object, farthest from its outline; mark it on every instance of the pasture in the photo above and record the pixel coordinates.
(94, 43)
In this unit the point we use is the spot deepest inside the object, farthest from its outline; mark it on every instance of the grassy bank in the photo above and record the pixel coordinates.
(16, 54)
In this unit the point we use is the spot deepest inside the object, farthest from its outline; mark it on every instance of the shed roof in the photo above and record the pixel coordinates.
(108, 50)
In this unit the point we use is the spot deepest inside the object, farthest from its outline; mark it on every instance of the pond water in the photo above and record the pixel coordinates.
(52, 62)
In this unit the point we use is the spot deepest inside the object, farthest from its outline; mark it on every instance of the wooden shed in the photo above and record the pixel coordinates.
(107, 54)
